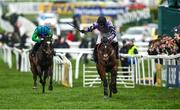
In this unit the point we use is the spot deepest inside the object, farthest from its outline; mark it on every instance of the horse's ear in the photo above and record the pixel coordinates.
(104, 40)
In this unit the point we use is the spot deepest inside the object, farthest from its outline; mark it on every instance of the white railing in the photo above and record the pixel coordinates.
(22, 59)
(144, 67)
(62, 66)
(62, 70)
(79, 53)
(91, 77)
(142, 72)
(7, 55)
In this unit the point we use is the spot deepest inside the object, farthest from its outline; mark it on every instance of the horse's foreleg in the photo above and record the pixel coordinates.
(110, 85)
(40, 74)
(113, 82)
(50, 73)
(40, 79)
(34, 77)
(102, 75)
(44, 82)
(105, 85)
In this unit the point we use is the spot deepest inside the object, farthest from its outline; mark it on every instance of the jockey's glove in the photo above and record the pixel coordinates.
(82, 31)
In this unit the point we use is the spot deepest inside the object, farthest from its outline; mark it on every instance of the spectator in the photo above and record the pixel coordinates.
(70, 36)
(84, 44)
(61, 43)
(124, 60)
(132, 49)
(93, 40)
(176, 31)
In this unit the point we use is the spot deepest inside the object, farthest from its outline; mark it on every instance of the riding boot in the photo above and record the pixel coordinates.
(95, 54)
(35, 48)
(116, 47)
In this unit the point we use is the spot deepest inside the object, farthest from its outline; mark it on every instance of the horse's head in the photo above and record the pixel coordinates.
(47, 48)
(106, 50)
(104, 40)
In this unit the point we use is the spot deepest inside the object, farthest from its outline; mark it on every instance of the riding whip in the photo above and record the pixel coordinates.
(77, 28)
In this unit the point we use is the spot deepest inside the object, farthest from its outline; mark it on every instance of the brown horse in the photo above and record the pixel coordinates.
(107, 62)
(42, 64)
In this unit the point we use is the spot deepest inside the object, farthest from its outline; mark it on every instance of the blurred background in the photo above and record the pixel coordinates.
(19, 18)
(133, 19)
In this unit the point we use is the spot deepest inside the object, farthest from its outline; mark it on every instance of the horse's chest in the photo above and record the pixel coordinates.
(45, 62)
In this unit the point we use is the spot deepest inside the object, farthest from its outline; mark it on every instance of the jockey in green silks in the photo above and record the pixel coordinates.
(41, 32)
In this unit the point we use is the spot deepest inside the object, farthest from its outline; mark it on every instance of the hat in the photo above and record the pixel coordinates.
(176, 29)
(124, 41)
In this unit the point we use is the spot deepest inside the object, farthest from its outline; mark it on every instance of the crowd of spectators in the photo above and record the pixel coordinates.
(166, 44)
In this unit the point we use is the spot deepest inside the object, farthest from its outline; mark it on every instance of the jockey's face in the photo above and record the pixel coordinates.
(102, 25)
(43, 35)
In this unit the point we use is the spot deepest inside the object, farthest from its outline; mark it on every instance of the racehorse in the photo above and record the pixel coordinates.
(42, 64)
(107, 63)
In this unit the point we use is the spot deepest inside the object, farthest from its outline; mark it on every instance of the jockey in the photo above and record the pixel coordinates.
(40, 32)
(106, 29)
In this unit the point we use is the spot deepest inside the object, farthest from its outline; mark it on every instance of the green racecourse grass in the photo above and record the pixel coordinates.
(16, 92)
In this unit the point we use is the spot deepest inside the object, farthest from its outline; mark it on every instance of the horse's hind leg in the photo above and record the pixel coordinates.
(35, 79)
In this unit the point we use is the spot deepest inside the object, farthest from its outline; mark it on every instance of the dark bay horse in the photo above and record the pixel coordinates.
(107, 63)
(42, 64)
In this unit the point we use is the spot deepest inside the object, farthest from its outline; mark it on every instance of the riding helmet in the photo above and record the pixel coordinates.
(101, 21)
(43, 30)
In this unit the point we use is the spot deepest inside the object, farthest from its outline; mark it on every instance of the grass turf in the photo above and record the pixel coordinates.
(16, 92)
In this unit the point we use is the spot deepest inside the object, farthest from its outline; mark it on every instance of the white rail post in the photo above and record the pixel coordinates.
(153, 70)
(149, 71)
(77, 65)
(9, 57)
(143, 71)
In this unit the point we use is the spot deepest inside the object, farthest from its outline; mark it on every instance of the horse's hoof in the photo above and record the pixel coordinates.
(35, 87)
(105, 97)
(50, 88)
(114, 91)
(41, 81)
